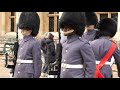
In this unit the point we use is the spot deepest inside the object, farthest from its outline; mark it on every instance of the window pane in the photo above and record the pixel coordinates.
(51, 12)
(12, 13)
(114, 16)
(51, 24)
(102, 16)
(12, 22)
(57, 23)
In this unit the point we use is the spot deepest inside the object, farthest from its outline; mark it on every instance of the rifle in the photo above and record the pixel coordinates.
(14, 59)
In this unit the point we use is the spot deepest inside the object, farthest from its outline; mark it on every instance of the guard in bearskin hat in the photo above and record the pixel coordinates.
(29, 62)
(92, 20)
(78, 60)
(103, 45)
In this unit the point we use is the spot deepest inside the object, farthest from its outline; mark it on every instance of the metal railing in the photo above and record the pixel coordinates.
(6, 44)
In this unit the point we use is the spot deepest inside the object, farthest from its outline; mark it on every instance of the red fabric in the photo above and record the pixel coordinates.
(98, 74)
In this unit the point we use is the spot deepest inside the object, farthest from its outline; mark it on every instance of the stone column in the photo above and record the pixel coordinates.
(17, 16)
(118, 30)
(2, 23)
(41, 29)
(118, 27)
(117, 36)
(60, 14)
(20, 36)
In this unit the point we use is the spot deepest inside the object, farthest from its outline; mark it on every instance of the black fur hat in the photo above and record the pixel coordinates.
(30, 20)
(91, 18)
(75, 20)
(107, 27)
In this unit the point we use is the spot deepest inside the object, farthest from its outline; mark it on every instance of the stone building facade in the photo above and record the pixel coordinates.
(48, 21)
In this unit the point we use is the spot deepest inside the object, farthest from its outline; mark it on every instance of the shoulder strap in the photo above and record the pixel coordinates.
(107, 56)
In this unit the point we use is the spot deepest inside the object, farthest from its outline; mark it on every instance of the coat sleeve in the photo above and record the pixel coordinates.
(58, 52)
(117, 60)
(43, 45)
(37, 60)
(52, 48)
(89, 60)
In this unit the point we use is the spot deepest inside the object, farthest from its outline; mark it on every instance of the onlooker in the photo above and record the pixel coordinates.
(49, 54)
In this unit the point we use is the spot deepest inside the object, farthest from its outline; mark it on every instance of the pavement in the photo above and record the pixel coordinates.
(115, 71)
(4, 72)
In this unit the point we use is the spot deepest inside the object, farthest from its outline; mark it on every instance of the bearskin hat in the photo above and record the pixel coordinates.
(30, 21)
(107, 27)
(75, 20)
(91, 18)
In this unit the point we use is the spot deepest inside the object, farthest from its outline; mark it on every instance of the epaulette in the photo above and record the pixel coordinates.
(81, 39)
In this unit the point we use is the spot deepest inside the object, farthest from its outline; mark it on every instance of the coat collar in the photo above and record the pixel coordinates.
(90, 32)
(72, 38)
(26, 38)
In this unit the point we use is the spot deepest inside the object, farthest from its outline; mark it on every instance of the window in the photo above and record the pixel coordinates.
(57, 23)
(53, 21)
(51, 12)
(51, 24)
(102, 16)
(114, 16)
(12, 22)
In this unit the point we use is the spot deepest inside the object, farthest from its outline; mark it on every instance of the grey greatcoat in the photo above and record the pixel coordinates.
(29, 49)
(76, 51)
(100, 47)
(50, 51)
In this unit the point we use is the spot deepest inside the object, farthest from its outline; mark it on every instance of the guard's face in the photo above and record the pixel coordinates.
(25, 32)
(67, 31)
(90, 27)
